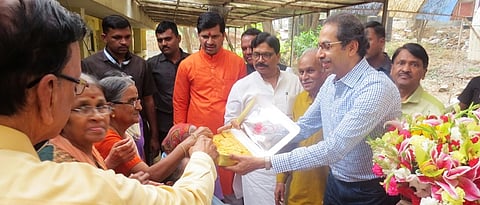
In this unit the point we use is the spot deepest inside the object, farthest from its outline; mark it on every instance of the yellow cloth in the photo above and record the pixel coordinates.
(422, 102)
(26, 180)
(308, 186)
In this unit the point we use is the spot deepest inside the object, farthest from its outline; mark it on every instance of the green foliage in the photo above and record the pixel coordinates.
(305, 40)
(285, 51)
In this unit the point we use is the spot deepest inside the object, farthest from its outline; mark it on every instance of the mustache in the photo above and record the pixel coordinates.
(404, 73)
(261, 65)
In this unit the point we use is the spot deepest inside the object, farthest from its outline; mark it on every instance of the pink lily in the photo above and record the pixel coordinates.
(464, 120)
(433, 122)
(463, 177)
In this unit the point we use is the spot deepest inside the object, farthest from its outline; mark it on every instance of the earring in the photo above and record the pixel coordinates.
(112, 115)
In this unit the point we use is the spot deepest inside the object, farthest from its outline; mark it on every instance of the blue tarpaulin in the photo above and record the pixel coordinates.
(434, 10)
(437, 10)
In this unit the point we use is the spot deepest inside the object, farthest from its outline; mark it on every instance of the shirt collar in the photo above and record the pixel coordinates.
(183, 55)
(354, 75)
(12, 139)
(416, 96)
(110, 58)
(214, 57)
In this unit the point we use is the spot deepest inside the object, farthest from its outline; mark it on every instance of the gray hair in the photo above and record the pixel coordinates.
(308, 51)
(115, 86)
(91, 80)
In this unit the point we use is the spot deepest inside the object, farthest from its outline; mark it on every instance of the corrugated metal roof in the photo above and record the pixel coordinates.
(239, 12)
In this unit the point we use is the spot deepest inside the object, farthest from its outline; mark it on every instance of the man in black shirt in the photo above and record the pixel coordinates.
(164, 68)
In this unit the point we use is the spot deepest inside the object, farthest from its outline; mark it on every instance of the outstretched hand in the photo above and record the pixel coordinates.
(205, 131)
(121, 152)
(205, 144)
(193, 138)
(246, 164)
(232, 124)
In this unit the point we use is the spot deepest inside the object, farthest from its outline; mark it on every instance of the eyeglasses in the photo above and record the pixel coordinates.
(327, 45)
(88, 110)
(133, 103)
(265, 56)
(80, 84)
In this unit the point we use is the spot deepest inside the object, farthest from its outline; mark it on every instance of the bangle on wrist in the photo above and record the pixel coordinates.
(185, 153)
(268, 163)
(195, 136)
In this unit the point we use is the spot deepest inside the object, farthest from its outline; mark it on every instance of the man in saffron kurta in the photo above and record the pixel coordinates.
(203, 82)
(202, 86)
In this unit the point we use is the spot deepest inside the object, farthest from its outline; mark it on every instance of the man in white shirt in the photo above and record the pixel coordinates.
(268, 82)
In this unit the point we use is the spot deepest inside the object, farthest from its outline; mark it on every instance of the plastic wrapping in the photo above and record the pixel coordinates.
(265, 129)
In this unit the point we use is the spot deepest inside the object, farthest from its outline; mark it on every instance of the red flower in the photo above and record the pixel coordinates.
(444, 118)
(430, 117)
(406, 133)
(391, 128)
(454, 145)
(472, 162)
(439, 147)
(474, 139)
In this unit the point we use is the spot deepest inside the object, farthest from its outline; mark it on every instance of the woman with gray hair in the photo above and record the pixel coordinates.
(87, 124)
(121, 93)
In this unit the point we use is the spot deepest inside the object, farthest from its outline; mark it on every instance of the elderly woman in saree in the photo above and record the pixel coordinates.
(88, 123)
(121, 93)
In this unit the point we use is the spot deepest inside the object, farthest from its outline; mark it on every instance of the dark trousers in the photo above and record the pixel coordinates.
(356, 193)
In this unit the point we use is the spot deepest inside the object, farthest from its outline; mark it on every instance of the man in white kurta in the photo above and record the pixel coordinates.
(270, 83)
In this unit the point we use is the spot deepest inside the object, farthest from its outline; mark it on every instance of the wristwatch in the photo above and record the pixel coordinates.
(268, 162)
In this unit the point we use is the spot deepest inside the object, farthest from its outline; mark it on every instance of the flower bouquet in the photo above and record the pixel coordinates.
(431, 159)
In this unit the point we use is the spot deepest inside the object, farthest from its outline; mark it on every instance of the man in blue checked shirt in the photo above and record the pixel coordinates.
(353, 104)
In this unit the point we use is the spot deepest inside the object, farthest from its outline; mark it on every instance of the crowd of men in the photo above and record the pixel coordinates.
(341, 92)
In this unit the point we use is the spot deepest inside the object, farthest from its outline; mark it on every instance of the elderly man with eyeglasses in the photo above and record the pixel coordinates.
(40, 81)
(268, 82)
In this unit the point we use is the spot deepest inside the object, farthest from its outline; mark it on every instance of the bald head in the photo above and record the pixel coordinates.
(310, 71)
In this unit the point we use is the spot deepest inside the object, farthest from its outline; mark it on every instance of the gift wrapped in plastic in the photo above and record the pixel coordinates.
(264, 130)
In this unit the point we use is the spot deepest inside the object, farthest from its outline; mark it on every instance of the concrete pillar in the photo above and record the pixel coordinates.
(93, 40)
(84, 43)
(474, 41)
(139, 42)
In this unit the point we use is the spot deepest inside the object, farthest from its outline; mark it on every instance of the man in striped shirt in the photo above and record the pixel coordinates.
(353, 104)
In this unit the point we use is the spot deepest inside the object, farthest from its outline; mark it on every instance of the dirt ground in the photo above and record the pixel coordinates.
(449, 70)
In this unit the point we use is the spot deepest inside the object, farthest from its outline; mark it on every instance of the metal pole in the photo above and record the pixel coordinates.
(385, 12)
(291, 37)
